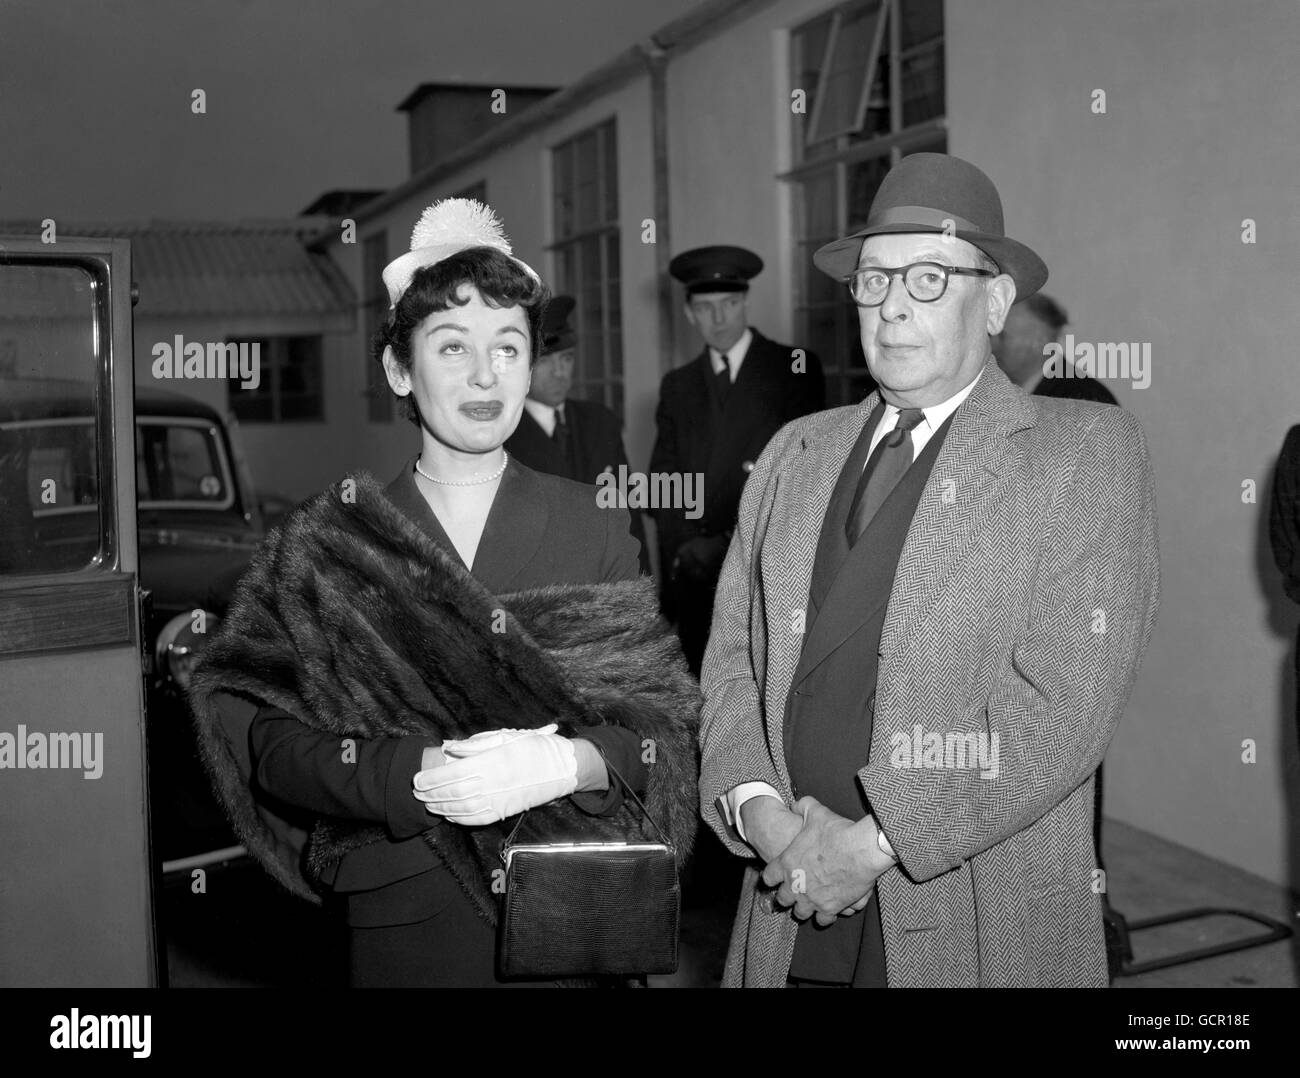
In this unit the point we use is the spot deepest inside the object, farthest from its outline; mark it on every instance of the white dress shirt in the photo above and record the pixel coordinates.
(543, 413)
(735, 356)
(934, 417)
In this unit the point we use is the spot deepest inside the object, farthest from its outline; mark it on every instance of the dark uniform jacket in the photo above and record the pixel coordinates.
(1075, 389)
(697, 434)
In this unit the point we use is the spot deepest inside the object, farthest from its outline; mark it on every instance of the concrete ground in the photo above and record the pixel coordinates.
(243, 932)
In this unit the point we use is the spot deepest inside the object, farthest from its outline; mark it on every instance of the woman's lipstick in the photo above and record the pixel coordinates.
(483, 411)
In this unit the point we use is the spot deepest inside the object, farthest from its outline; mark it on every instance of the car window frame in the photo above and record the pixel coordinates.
(214, 431)
(108, 559)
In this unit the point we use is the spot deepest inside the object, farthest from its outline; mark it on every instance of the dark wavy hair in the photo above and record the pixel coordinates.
(496, 276)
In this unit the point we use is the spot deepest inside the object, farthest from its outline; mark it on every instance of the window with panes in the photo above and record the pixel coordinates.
(586, 251)
(873, 80)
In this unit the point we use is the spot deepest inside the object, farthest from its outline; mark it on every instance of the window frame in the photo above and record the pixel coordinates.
(833, 158)
(604, 228)
(270, 377)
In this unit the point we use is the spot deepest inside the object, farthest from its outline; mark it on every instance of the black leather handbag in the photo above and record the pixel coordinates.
(585, 909)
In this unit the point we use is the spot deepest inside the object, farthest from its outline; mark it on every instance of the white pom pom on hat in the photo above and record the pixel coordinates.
(447, 227)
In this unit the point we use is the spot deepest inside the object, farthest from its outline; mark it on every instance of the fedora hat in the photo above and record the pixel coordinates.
(935, 192)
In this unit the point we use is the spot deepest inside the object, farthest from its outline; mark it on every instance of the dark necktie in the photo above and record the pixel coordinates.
(724, 379)
(891, 458)
(560, 436)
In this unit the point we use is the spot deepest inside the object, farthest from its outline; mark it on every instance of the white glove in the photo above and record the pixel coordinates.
(491, 776)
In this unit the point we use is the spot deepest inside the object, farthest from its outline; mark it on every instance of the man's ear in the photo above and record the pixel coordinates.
(690, 314)
(1002, 294)
(398, 379)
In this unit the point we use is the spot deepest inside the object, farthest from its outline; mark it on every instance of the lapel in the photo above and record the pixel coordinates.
(862, 584)
(586, 463)
(404, 494)
(976, 470)
(533, 446)
(790, 548)
(512, 535)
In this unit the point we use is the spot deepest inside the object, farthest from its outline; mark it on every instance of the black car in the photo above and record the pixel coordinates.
(199, 525)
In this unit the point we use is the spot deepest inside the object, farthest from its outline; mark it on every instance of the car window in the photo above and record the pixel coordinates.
(181, 464)
(51, 336)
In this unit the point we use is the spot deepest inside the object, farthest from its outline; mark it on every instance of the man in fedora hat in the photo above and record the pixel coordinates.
(576, 439)
(927, 626)
(715, 415)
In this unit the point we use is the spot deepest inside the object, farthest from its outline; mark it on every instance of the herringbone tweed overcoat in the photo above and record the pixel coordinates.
(1024, 598)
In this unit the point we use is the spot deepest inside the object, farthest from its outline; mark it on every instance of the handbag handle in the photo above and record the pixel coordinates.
(627, 788)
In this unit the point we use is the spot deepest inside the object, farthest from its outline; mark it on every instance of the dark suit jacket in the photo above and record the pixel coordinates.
(541, 530)
(697, 434)
(594, 432)
(596, 437)
(1075, 389)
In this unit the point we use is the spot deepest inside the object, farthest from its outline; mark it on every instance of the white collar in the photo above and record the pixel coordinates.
(543, 413)
(735, 355)
(935, 414)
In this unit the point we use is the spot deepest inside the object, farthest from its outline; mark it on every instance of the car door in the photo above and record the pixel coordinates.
(76, 887)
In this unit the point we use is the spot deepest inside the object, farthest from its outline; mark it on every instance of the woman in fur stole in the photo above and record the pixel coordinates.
(404, 670)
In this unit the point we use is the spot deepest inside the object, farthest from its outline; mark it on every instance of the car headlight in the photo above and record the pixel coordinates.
(179, 643)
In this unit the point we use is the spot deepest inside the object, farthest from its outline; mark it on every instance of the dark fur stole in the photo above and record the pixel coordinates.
(354, 621)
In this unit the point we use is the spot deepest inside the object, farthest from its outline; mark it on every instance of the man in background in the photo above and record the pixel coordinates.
(715, 415)
(576, 439)
(1021, 351)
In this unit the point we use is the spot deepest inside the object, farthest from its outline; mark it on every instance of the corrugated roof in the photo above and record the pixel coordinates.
(248, 268)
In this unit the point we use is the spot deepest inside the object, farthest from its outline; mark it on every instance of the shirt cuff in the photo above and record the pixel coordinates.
(732, 801)
(882, 840)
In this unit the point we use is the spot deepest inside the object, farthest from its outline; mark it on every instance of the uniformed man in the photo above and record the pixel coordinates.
(576, 439)
(715, 415)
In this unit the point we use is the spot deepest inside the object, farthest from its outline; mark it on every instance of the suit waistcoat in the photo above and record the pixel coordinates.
(828, 718)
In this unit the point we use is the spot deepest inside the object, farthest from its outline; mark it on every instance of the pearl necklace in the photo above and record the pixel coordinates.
(466, 482)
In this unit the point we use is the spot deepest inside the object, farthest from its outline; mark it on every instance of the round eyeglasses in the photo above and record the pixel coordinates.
(925, 281)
